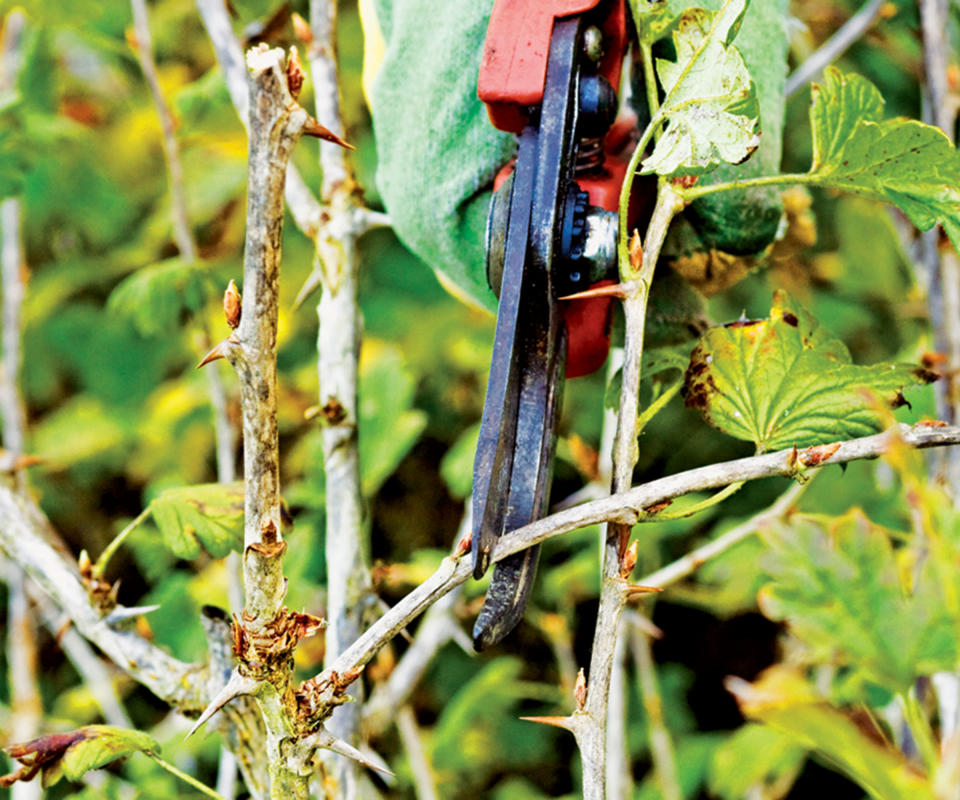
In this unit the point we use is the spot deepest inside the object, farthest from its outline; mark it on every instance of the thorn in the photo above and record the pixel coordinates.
(312, 282)
(220, 351)
(314, 128)
(232, 305)
(634, 590)
(121, 613)
(580, 690)
(618, 290)
(557, 722)
(294, 72)
(629, 559)
(23, 461)
(236, 686)
(635, 249)
(301, 29)
(330, 742)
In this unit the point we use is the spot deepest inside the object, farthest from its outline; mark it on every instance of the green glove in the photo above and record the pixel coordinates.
(438, 153)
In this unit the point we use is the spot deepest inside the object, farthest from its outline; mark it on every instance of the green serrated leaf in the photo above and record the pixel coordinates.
(836, 582)
(904, 162)
(783, 700)
(101, 745)
(208, 515)
(711, 104)
(786, 381)
(157, 297)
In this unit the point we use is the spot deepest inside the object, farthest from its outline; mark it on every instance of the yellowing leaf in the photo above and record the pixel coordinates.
(837, 584)
(783, 700)
(710, 104)
(786, 381)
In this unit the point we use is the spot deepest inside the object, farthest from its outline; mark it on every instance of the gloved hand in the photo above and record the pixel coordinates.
(438, 153)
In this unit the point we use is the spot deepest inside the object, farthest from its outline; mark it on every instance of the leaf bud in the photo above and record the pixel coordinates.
(232, 305)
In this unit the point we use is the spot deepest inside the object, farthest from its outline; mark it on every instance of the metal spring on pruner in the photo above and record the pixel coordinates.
(589, 155)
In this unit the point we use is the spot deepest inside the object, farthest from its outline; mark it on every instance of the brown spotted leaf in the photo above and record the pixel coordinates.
(786, 381)
(74, 753)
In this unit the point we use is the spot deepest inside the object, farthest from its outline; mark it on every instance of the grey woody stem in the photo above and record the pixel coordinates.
(338, 350)
(630, 507)
(276, 123)
(303, 205)
(591, 727)
(26, 704)
(181, 685)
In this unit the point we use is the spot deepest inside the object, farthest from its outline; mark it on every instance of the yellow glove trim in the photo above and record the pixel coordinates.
(374, 46)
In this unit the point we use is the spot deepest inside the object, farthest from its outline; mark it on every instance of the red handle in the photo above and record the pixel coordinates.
(514, 65)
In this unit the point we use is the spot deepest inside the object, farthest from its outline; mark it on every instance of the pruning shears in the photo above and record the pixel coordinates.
(549, 74)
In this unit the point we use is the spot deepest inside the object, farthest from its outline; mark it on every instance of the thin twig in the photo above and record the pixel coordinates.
(143, 46)
(26, 706)
(834, 47)
(171, 680)
(661, 743)
(627, 508)
(25, 701)
(224, 434)
(942, 279)
(423, 781)
(338, 347)
(688, 564)
(942, 267)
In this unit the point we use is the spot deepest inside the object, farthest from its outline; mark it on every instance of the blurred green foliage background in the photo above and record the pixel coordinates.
(114, 325)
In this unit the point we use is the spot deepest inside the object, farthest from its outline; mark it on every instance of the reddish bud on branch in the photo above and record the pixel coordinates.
(294, 73)
(580, 690)
(636, 250)
(232, 305)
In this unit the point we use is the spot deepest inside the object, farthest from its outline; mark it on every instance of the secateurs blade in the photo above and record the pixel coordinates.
(548, 75)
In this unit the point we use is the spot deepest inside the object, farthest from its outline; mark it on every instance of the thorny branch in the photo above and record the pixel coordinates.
(266, 635)
(177, 683)
(338, 350)
(629, 508)
(308, 214)
(589, 724)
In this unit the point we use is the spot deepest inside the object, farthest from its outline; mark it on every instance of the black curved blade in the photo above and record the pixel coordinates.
(512, 469)
(513, 577)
